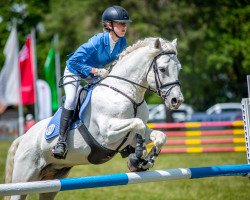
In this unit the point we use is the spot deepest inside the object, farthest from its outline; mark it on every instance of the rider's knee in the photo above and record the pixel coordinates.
(69, 103)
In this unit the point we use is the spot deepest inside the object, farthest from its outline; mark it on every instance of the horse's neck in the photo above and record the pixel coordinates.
(132, 67)
(131, 64)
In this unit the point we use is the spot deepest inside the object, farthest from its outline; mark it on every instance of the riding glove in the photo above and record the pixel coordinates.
(101, 72)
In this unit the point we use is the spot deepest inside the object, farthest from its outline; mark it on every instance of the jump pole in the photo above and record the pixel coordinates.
(122, 179)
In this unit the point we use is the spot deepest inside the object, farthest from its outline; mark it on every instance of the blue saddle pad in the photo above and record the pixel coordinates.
(86, 101)
(53, 127)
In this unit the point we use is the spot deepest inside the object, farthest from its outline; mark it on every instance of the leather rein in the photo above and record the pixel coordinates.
(159, 85)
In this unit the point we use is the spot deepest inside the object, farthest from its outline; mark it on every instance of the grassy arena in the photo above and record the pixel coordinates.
(222, 188)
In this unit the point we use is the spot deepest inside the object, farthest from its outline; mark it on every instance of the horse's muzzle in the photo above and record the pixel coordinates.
(176, 102)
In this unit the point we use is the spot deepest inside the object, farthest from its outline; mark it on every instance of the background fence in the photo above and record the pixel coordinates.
(202, 137)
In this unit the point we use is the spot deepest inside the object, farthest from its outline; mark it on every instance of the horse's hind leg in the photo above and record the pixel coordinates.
(50, 172)
(18, 176)
(47, 196)
(25, 169)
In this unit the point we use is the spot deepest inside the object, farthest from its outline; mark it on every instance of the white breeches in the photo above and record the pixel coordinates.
(70, 89)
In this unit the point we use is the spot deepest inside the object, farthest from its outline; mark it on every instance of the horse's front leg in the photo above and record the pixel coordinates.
(118, 128)
(159, 139)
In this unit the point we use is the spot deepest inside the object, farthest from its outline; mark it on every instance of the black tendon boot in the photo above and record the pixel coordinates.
(60, 150)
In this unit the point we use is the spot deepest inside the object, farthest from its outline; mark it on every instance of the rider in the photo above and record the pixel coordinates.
(88, 61)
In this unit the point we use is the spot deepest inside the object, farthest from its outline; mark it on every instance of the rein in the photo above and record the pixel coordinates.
(159, 85)
(135, 104)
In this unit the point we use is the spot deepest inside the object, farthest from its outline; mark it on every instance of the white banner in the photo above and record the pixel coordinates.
(44, 99)
(9, 76)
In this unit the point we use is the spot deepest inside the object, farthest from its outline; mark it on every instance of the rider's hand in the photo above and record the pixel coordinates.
(101, 72)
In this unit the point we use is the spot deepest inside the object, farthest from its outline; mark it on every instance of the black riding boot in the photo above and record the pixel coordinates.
(60, 149)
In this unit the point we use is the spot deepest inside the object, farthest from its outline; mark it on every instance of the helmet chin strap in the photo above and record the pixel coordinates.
(114, 30)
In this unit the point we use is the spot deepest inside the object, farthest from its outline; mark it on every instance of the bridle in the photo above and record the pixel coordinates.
(159, 85)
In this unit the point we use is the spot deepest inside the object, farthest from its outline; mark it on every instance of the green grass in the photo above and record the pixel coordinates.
(220, 188)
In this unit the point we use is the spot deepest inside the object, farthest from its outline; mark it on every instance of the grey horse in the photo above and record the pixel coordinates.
(115, 118)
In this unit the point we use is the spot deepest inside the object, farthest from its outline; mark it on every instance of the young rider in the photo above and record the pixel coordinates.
(88, 61)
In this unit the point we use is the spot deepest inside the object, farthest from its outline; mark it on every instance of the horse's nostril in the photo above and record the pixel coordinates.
(174, 101)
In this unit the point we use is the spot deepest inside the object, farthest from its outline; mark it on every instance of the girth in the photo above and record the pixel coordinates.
(99, 154)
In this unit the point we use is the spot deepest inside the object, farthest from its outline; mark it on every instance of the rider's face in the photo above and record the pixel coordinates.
(120, 28)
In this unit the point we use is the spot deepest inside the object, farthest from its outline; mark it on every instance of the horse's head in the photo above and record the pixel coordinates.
(163, 73)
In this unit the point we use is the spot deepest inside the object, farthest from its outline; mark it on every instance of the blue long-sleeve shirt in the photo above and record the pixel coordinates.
(94, 53)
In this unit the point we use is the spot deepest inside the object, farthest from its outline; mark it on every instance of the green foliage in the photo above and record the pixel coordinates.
(213, 37)
(26, 15)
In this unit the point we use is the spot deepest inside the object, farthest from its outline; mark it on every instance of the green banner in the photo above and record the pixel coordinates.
(50, 77)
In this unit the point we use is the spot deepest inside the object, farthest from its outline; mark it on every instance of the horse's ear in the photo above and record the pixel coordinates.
(174, 42)
(157, 43)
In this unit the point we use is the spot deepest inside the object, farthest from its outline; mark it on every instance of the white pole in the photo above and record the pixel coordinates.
(58, 69)
(122, 179)
(248, 85)
(35, 70)
(246, 119)
(20, 104)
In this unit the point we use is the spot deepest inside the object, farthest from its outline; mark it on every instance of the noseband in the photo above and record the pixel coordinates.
(159, 85)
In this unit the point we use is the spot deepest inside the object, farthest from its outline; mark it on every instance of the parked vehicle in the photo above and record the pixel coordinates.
(224, 107)
(159, 113)
(224, 116)
(183, 114)
(219, 112)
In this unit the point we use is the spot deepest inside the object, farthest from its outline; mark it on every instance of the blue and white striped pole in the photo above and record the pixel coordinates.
(122, 179)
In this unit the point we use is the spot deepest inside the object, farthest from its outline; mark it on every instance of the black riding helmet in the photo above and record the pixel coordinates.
(115, 14)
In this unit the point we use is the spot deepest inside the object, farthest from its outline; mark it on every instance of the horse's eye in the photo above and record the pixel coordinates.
(162, 70)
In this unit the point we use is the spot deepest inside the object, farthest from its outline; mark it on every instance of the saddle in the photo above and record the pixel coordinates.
(83, 98)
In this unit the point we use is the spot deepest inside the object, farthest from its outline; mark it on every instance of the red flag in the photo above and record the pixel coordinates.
(26, 65)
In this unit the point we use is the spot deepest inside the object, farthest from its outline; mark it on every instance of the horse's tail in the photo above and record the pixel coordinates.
(10, 160)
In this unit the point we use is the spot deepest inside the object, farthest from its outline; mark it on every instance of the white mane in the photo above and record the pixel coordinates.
(166, 45)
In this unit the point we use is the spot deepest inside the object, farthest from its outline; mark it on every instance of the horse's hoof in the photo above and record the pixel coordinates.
(131, 167)
(134, 163)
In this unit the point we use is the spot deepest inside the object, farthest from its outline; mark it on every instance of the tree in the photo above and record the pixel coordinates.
(26, 14)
